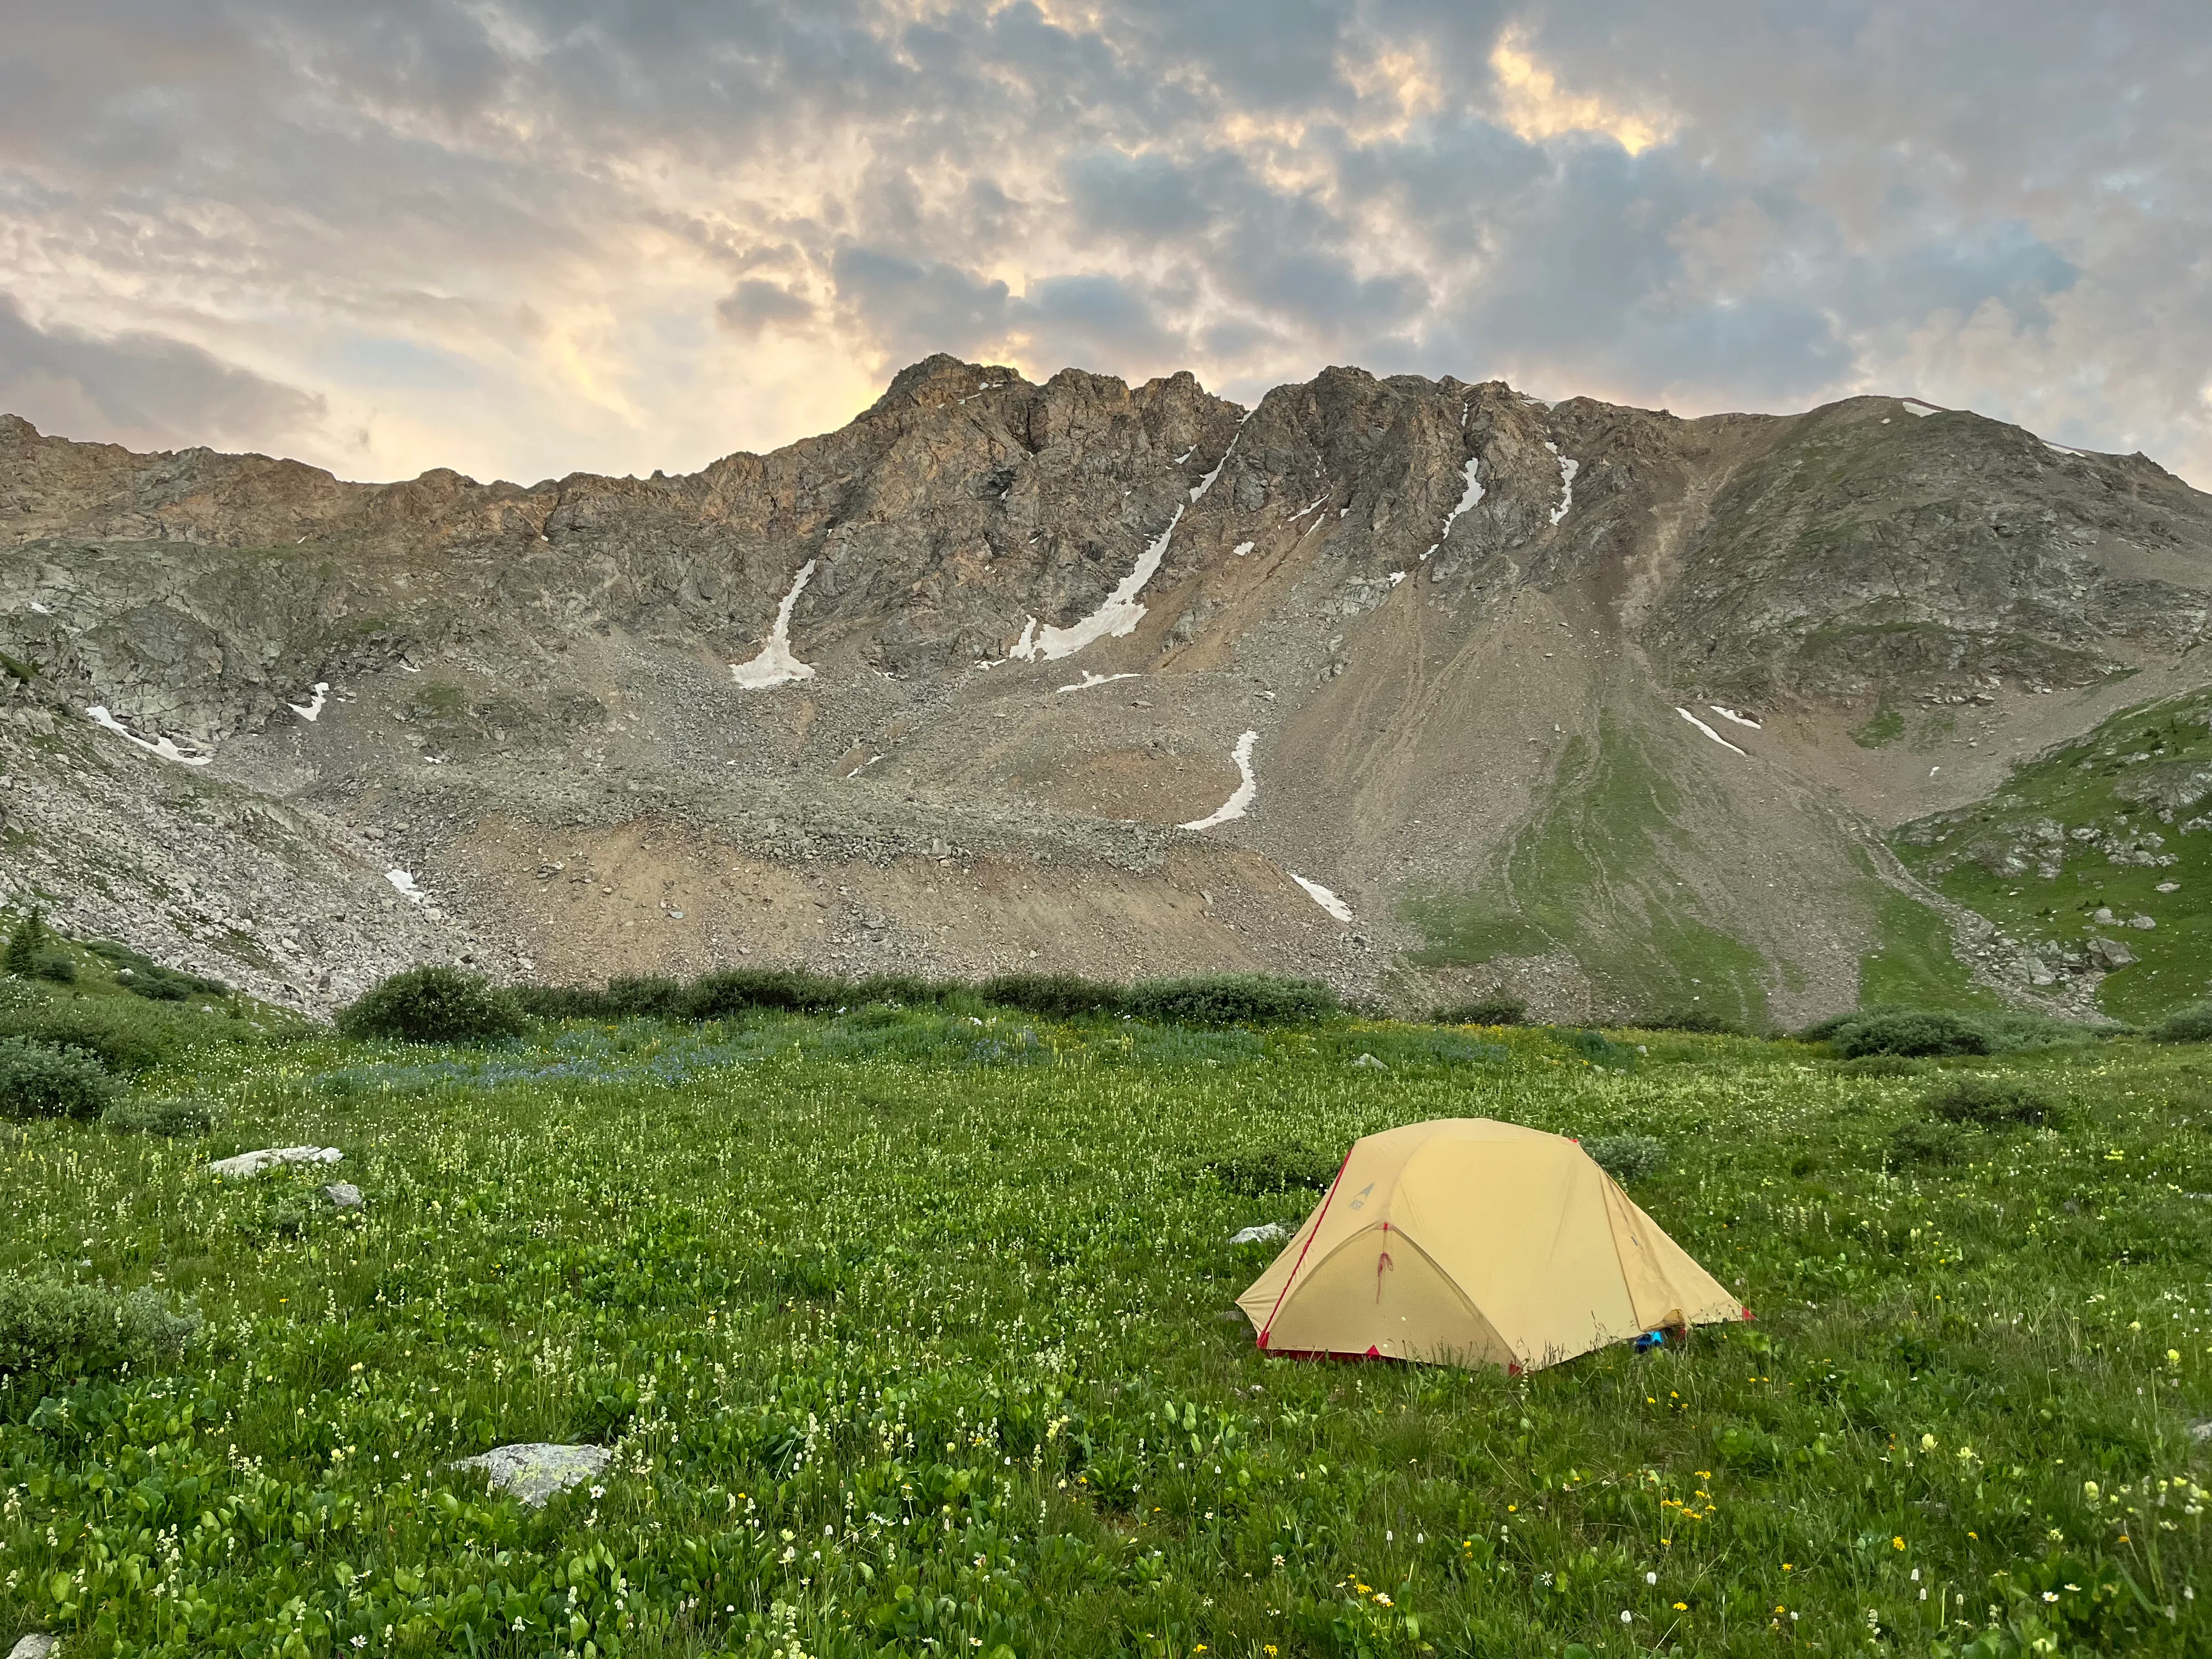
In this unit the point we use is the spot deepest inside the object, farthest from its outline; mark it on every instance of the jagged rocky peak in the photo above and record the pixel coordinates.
(1420, 644)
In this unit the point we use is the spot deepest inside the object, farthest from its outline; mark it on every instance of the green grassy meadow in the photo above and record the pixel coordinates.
(2115, 823)
(912, 1335)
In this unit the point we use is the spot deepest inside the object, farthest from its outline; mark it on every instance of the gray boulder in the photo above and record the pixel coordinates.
(1266, 1233)
(37, 1645)
(534, 1470)
(252, 1164)
(343, 1195)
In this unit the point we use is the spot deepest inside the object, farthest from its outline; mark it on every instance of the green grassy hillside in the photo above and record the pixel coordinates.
(2085, 844)
(1600, 871)
(913, 1335)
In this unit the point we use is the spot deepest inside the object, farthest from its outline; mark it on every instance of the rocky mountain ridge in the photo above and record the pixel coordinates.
(1589, 698)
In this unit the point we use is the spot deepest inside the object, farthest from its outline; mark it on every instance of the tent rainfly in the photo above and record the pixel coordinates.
(1467, 1242)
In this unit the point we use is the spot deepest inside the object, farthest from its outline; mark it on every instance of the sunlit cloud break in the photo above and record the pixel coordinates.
(519, 239)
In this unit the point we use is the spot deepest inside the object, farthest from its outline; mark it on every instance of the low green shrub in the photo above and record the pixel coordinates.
(54, 966)
(1496, 1007)
(1992, 1102)
(2192, 1024)
(1595, 1047)
(1052, 996)
(1230, 1000)
(1914, 1144)
(39, 1079)
(1627, 1157)
(131, 1035)
(737, 991)
(1703, 1022)
(156, 982)
(433, 1004)
(1892, 1032)
(54, 1329)
(158, 1117)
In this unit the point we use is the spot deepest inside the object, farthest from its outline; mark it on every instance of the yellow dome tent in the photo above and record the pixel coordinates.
(1466, 1242)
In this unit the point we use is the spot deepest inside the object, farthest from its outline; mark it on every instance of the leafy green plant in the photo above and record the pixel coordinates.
(148, 1115)
(1496, 1007)
(1230, 1000)
(1700, 1021)
(2189, 1023)
(54, 965)
(141, 975)
(1992, 1102)
(1627, 1157)
(1593, 1047)
(1052, 996)
(61, 1330)
(39, 1079)
(1898, 1032)
(433, 1004)
(1914, 1144)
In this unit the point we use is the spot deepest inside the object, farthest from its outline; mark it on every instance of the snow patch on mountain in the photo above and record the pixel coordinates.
(1241, 797)
(1568, 467)
(775, 665)
(1321, 896)
(161, 746)
(1710, 733)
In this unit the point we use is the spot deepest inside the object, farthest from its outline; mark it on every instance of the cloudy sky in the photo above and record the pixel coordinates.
(524, 237)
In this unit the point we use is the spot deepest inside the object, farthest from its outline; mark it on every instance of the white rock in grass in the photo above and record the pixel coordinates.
(252, 1164)
(1369, 1063)
(534, 1472)
(36, 1645)
(1266, 1233)
(343, 1195)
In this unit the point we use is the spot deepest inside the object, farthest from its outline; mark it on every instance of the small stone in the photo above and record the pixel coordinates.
(1369, 1063)
(2169, 887)
(37, 1645)
(2102, 916)
(2201, 1431)
(343, 1195)
(252, 1164)
(1266, 1233)
(2144, 922)
(535, 1471)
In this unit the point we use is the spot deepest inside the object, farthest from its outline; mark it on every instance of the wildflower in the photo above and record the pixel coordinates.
(1681, 1607)
(1897, 1543)
(1626, 1617)
(1651, 1577)
(2051, 1595)
(361, 1641)
(1927, 1443)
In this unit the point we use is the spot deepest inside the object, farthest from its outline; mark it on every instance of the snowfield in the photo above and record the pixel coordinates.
(1241, 798)
(161, 746)
(775, 665)
(1321, 896)
(1710, 733)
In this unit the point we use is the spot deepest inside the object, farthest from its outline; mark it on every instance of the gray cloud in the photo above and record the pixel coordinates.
(140, 389)
(638, 236)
